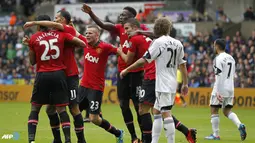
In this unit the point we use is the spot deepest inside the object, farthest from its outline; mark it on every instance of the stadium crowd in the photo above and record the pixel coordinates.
(15, 67)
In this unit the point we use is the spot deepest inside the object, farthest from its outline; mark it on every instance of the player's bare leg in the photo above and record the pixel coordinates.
(215, 120)
(78, 122)
(233, 117)
(97, 120)
(146, 121)
(32, 122)
(65, 122)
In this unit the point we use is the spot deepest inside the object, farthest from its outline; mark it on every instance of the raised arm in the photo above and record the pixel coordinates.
(104, 25)
(49, 24)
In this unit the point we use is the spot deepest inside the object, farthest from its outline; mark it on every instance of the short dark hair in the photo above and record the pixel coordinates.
(66, 15)
(221, 43)
(42, 18)
(131, 10)
(133, 22)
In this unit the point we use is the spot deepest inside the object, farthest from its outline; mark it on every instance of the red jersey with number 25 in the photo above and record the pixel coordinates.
(124, 43)
(95, 60)
(49, 50)
(71, 66)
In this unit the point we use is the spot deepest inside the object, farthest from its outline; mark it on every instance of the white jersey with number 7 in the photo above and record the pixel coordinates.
(224, 69)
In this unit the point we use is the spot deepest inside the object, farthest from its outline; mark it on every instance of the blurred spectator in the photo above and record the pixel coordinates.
(180, 18)
(248, 14)
(13, 19)
(219, 12)
(140, 16)
(217, 31)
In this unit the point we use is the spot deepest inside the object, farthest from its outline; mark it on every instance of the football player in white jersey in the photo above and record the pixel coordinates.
(223, 91)
(168, 55)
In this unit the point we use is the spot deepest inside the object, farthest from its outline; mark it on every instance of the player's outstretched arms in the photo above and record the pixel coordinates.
(49, 24)
(139, 63)
(104, 25)
(184, 72)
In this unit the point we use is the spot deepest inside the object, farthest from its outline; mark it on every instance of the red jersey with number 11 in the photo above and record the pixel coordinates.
(70, 62)
(49, 50)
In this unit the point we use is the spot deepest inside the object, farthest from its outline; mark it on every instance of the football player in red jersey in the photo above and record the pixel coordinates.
(139, 44)
(62, 19)
(126, 87)
(50, 87)
(93, 81)
(147, 92)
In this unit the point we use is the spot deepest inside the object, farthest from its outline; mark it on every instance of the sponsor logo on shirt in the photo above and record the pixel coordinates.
(91, 58)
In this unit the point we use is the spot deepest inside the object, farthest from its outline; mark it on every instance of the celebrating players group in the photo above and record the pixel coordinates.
(147, 75)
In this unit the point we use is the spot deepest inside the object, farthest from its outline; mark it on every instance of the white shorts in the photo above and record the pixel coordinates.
(227, 101)
(164, 100)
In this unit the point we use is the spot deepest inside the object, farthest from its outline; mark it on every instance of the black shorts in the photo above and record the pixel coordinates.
(129, 87)
(147, 93)
(90, 98)
(73, 83)
(179, 88)
(50, 88)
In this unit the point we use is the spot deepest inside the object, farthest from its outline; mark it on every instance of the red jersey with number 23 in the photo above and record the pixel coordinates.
(95, 60)
(49, 50)
(125, 44)
(69, 60)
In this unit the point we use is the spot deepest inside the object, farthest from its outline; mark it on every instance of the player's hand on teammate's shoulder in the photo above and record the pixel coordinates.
(184, 90)
(131, 34)
(28, 24)
(25, 40)
(123, 73)
(85, 8)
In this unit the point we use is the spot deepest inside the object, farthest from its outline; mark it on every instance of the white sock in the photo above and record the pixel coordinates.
(232, 116)
(215, 120)
(169, 129)
(156, 128)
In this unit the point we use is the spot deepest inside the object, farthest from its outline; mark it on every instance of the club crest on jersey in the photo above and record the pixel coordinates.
(98, 50)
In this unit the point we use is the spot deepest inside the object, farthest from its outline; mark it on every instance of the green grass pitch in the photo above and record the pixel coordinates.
(13, 118)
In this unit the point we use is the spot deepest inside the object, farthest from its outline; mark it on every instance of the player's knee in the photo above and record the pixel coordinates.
(94, 119)
(61, 109)
(74, 109)
(50, 110)
(143, 109)
(36, 108)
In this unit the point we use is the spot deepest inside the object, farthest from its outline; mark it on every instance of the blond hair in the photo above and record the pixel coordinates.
(162, 26)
